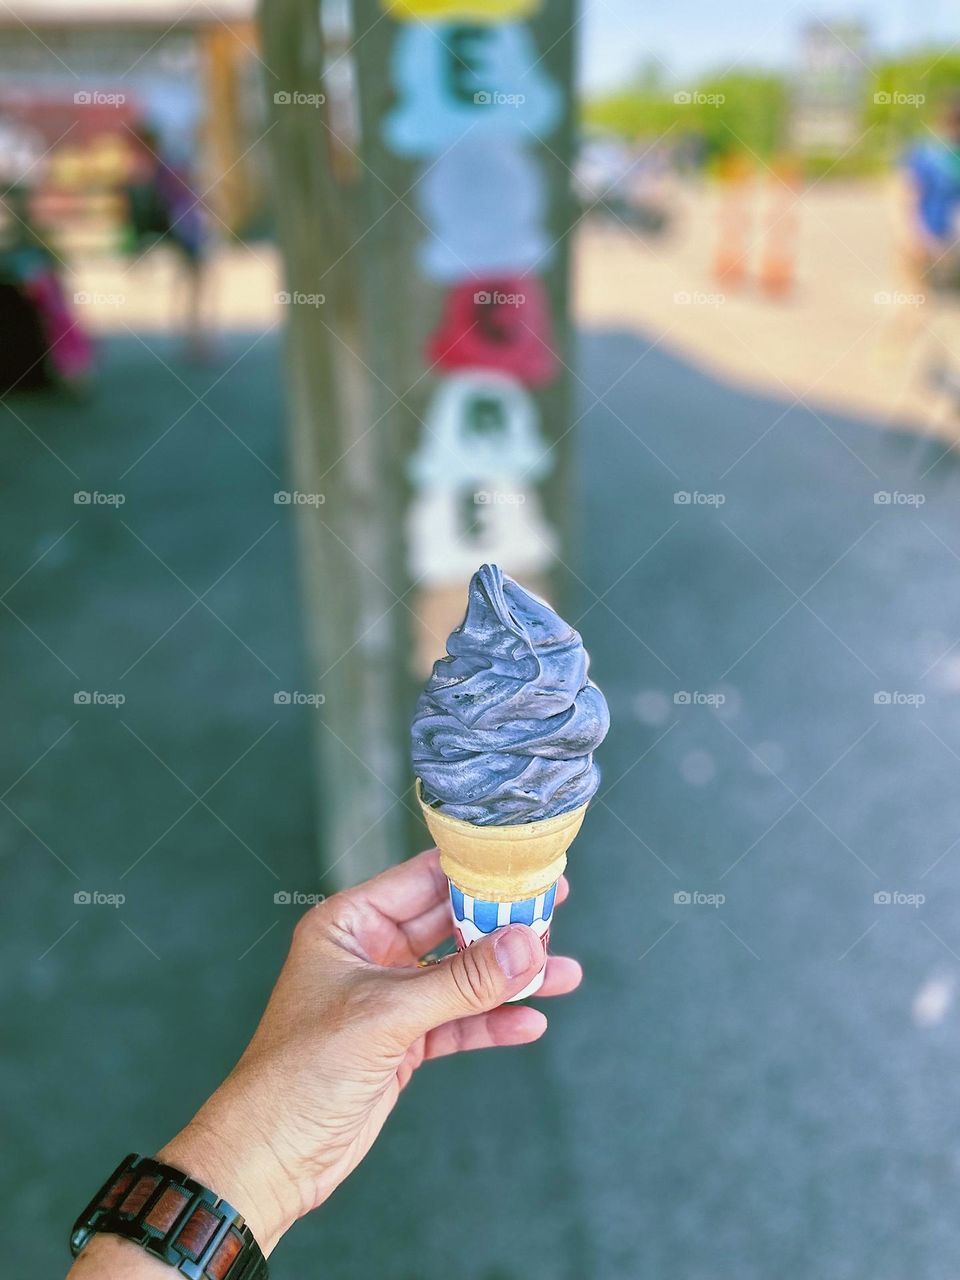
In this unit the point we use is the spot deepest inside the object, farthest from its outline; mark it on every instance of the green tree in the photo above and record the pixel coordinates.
(740, 111)
(907, 95)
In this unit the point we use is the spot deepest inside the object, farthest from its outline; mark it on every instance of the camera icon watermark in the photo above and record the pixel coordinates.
(898, 298)
(695, 898)
(695, 698)
(894, 498)
(294, 498)
(294, 698)
(896, 98)
(296, 98)
(894, 698)
(498, 498)
(297, 898)
(94, 698)
(494, 98)
(497, 298)
(97, 898)
(698, 298)
(94, 498)
(895, 898)
(693, 498)
(297, 298)
(96, 98)
(84, 298)
(694, 98)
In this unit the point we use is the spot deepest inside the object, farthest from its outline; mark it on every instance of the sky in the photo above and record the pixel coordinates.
(694, 36)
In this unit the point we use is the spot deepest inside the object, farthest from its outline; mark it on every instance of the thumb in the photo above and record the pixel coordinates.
(472, 981)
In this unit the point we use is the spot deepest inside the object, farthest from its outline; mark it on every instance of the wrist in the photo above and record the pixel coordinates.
(223, 1149)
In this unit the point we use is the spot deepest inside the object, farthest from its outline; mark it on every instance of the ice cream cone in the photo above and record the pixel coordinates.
(502, 875)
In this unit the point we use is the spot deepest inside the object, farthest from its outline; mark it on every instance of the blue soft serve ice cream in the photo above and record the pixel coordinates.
(505, 730)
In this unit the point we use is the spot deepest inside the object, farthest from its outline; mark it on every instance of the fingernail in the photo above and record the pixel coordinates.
(514, 950)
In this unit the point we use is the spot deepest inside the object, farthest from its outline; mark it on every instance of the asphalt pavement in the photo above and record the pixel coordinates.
(759, 1075)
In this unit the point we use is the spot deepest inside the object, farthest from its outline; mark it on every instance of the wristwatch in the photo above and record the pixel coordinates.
(173, 1218)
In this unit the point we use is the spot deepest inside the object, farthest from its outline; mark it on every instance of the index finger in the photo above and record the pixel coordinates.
(407, 890)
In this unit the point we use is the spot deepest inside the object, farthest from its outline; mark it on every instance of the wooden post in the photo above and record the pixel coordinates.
(356, 213)
(224, 49)
(352, 557)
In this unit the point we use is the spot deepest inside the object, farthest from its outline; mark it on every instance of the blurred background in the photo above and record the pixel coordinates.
(305, 315)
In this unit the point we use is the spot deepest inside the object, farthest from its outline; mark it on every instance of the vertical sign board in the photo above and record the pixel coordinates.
(467, 120)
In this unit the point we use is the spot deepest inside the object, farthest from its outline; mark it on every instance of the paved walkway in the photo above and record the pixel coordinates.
(852, 335)
(765, 1087)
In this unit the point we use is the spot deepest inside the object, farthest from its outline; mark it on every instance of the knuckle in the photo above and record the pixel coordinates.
(335, 917)
(311, 925)
(472, 976)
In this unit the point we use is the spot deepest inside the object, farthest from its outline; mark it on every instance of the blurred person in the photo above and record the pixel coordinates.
(164, 208)
(355, 1012)
(932, 169)
(927, 311)
(44, 343)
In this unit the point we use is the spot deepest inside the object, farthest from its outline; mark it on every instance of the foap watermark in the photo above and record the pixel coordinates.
(894, 498)
(497, 298)
(94, 698)
(97, 898)
(297, 298)
(97, 98)
(94, 498)
(896, 98)
(695, 898)
(296, 98)
(297, 898)
(498, 498)
(494, 98)
(694, 498)
(697, 298)
(695, 698)
(895, 898)
(294, 698)
(898, 298)
(894, 698)
(91, 298)
(694, 98)
(294, 498)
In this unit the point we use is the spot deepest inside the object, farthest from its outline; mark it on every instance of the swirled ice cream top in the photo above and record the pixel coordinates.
(505, 729)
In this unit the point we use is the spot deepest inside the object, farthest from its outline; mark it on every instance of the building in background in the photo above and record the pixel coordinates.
(76, 81)
(828, 89)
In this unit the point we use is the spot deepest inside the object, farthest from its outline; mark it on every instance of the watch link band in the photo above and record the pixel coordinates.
(173, 1218)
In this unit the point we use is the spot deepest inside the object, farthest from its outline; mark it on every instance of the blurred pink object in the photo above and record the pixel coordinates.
(502, 324)
(69, 348)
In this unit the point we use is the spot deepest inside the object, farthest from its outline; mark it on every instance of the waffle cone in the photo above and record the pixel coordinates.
(502, 864)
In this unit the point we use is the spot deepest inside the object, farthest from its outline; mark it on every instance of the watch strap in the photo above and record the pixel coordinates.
(174, 1218)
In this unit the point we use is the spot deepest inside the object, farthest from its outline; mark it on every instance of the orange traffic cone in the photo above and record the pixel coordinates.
(734, 173)
(778, 260)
